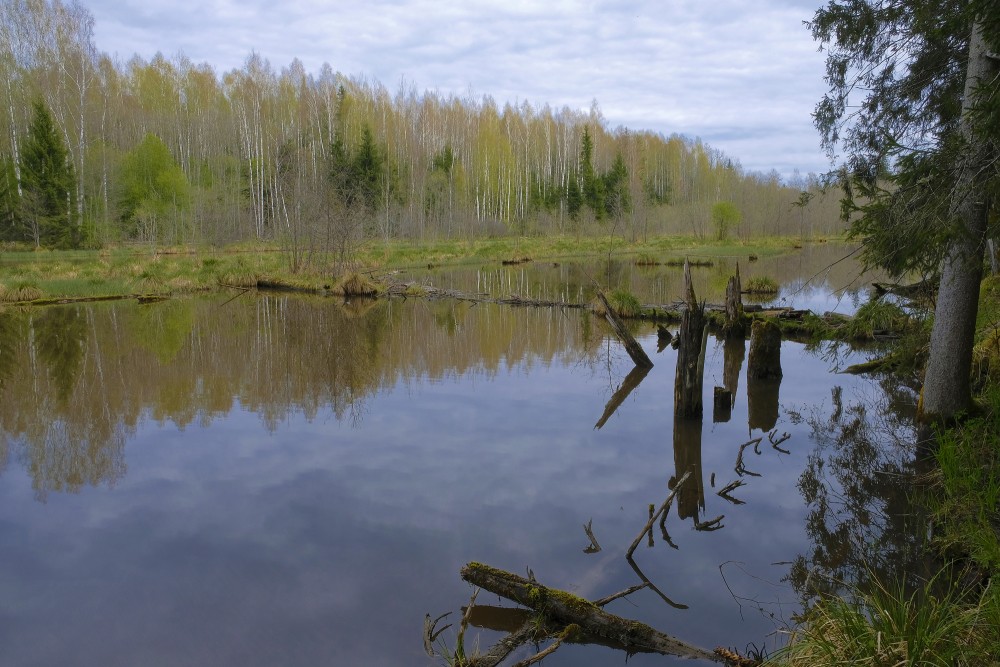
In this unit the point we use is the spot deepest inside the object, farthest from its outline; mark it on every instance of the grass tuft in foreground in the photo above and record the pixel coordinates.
(886, 627)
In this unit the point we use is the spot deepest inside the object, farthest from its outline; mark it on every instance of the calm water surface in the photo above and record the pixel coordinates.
(287, 480)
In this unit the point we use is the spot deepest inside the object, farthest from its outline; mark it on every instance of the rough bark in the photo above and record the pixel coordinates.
(735, 325)
(946, 391)
(693, 337)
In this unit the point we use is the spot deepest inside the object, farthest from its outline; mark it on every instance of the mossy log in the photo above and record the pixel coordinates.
(565, 609)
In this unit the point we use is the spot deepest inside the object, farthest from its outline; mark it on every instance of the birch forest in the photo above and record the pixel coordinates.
(171, 152)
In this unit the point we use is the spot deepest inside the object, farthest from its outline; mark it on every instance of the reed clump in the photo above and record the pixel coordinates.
(19, 291)
(760, 285)
(624, 303)
(356, 284)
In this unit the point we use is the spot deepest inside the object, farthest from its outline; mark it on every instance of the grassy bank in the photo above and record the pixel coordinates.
(887, 625)
(48, 275)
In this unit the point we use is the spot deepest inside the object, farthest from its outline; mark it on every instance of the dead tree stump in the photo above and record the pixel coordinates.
(693, 337)
(765, 351)
(735, 319)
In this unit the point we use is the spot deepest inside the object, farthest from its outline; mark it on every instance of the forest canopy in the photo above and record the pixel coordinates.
(169, 151)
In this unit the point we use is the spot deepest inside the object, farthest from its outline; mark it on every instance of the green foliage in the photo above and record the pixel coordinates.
(48, 183)
(725, 216)
(902, 66)
(153, 190)
(888, 626)
(877, 316)
(364, 178)
(60, 333)
(574, 198)
(624, 303)
(9, 201)
(592, 185)
(617, 200)
(967, 503)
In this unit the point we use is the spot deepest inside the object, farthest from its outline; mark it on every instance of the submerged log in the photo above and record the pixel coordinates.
(566, 608)
(635, 351)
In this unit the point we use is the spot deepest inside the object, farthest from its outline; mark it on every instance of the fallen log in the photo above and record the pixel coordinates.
(631, 381)
(639, 356)
(566, 608)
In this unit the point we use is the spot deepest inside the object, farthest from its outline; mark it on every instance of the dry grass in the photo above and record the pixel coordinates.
(23, 291)
(355, 284)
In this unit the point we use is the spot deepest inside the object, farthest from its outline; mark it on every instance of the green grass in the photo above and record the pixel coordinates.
(888, 626)
(625, 303)
(128, 270)
(760, 285)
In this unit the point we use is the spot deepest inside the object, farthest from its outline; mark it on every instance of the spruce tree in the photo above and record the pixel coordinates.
(914, 105)
(48, 184)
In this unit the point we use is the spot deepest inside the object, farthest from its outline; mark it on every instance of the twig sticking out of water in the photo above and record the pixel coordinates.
(775, 443)
(620, 594)
(740, 468)
(664, 508)
(431, 633)
(710, 525)
(732, 486)
(594, 546)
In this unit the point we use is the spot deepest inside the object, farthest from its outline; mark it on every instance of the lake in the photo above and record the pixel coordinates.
(289, 479)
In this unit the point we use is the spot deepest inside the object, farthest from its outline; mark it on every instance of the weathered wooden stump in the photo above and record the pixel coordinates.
(735, 319)
(765, 351)
(762, 403)
(693, 337)
(722, 405)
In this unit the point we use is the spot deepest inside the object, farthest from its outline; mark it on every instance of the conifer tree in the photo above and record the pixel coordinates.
(914, 103)
(47, 182)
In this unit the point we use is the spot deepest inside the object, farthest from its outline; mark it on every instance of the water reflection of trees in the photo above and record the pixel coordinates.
(76, 381)
(858, 485)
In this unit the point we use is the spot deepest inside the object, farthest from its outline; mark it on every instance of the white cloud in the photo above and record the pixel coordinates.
(742, 76)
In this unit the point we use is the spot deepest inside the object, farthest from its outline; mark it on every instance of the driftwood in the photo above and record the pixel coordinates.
(566, 609)
(639, 356)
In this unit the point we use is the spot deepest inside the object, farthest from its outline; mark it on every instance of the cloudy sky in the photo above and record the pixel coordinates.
(743, 76)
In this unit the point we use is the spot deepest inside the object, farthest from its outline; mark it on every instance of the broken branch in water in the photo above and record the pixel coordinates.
(594, 546)
(713, 524)
(430, 634)
(732, 486)
(620, 594)
(565, 609)
(775, 443)
(740, 468)
(653, 516)
(570, 632)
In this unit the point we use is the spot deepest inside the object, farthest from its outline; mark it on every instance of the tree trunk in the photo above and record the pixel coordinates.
(946, 390)
(693, 336)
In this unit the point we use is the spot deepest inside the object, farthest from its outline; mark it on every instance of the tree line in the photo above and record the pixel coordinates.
(166, 151)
